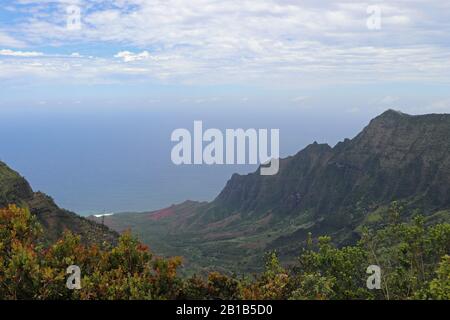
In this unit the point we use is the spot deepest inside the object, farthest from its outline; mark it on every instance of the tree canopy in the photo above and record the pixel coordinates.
(413, 258)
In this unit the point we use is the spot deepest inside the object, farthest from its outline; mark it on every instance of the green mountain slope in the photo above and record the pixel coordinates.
(14, 189)
(320, 190)
(396, 157)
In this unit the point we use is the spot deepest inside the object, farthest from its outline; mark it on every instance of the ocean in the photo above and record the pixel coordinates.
(95, 161)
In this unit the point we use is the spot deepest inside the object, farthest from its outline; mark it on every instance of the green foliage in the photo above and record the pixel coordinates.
(409, 255)
(340, 273)
(28, 271)
(439, 288)
(414, 259)
(270, 285)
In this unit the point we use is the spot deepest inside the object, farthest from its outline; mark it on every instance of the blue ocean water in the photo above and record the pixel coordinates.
(96, 161)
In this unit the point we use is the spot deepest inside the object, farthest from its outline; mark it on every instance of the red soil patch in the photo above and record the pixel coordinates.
(161, 214)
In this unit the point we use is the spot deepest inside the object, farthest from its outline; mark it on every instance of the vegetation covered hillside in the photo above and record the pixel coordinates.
(323, 190)
(414, 261)
(14, 189)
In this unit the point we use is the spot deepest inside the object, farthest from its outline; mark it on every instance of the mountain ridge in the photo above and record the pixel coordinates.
(15, 189)
(321, 189)
(253, 193)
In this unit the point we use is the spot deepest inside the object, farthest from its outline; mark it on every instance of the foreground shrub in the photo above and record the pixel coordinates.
(414, 259)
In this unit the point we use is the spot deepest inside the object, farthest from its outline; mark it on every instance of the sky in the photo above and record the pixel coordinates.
(90, 90)
(261, 54)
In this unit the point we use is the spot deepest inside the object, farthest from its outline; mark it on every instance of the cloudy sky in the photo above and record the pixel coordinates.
(295, 53)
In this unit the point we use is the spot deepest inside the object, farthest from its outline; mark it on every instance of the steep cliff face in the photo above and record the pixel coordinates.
(397, 156)
(14, 189)
(284, 193)
(320, 190)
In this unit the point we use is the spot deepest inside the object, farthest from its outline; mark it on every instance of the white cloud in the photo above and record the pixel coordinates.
(280, 42)
(353, 110)
(440, 106)
(8, 41)
(12, 53)
(128, 56)
(387, 100)
(299, 99)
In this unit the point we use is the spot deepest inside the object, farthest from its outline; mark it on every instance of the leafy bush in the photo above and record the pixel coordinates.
(414, 259)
